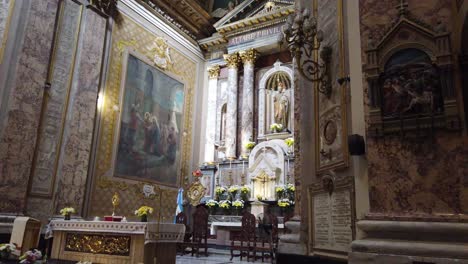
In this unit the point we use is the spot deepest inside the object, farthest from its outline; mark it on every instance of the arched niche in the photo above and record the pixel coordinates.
(265, 113)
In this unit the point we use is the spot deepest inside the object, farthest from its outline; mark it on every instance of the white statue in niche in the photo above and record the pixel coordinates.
(281, 105)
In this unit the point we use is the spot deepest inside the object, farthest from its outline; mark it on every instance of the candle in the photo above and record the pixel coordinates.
(243, 170)
(230, 164)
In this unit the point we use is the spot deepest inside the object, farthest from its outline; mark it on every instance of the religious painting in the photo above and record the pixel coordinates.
(149, 146)
(222, 7)
(410, 85)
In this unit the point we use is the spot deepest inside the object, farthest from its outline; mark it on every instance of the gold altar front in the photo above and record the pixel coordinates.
(115, 242)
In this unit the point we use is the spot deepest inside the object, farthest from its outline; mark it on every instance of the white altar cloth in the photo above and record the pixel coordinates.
(214, 226)
(154, 232)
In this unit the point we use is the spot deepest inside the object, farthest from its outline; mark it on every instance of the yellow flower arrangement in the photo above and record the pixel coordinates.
(220, 190)
(225, 204)
(245, 189)
(144, 210)
(279, 189)
(276, 127)
(289, 141)
(211, 203)
(284, 203)
(250, 145)
(67, 211)
(233, 189)
(238, 204)
(290, 187)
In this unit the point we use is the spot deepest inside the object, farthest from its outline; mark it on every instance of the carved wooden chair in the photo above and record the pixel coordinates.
(267, 244)
(181, 218)
(244, 241)
(200, 231)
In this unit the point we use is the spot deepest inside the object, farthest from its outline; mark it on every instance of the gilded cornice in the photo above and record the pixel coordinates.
(213, 72)
(232, 60)
(249, 56)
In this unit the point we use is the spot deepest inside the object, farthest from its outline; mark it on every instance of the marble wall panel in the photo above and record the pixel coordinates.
(18, 140)
(53, 111)
(78, 133)
(6, 9)
(414, 176)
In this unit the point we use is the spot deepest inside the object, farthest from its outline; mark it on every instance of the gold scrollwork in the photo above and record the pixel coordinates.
(98, 244)
(249, 56)
(105, 183)
(232, 60)
(195, 192)
(213, 72)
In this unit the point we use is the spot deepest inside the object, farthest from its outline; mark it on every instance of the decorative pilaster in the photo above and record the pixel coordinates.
(248, 58)
(232, 61)
(213, 74)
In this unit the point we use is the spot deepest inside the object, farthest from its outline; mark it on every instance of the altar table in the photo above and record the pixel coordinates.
(115, 242)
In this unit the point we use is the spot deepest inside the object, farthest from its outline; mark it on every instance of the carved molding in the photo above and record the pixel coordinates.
(249, 56)
(213, 72)
(405, 34)
(98, 244)
(232, 60)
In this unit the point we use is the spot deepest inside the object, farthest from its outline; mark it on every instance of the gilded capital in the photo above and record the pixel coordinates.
(213, 72)
(232, 60)
(249, 56)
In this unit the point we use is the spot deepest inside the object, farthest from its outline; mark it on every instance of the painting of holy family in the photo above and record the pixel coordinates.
(149, 146)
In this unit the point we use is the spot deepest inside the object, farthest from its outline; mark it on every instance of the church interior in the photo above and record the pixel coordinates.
(234, 131)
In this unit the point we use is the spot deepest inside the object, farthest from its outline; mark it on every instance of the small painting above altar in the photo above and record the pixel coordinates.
(150, 124)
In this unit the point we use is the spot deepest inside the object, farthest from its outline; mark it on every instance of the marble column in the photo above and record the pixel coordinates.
(248, 58)
(232, 61)
(213, 74)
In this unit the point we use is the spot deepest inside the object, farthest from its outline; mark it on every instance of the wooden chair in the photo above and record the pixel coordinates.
(244, 241)
(267, 245)
(181, 218)
(200, 231)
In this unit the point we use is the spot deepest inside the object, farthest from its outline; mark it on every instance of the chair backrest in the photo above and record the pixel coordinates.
(200, 223)
(248, 227)
(273, 220)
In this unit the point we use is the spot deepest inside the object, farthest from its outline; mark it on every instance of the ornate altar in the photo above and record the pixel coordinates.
(115, 242)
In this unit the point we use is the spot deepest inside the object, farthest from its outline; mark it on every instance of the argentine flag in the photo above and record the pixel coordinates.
(180, 200)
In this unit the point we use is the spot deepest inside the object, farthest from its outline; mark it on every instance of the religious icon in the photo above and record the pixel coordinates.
(281, 105)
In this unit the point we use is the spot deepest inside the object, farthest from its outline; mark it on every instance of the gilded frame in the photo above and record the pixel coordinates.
(130, 34)
(125, 56)
(342, 162)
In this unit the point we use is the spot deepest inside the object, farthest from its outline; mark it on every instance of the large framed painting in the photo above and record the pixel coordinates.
(151, 123)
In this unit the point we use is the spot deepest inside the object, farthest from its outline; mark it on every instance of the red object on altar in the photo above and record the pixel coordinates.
(111, 218)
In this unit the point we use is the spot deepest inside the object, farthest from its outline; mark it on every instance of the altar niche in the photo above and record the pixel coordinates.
(267, 169)
(276, 104)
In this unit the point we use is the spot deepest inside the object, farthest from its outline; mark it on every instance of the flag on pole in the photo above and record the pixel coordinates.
(180, 200)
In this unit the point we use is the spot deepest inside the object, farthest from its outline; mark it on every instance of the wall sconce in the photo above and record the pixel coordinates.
(303, 40)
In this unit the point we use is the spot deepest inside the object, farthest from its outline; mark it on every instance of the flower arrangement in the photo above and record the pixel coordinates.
(6, 249)
(220, 190)
(280, 189)
(212, 203)
(275, 127)
(225, 204)
(289, 141)
(31, 257)
(233, 189)
(67, 211)
(238, 204)
(285, 203)
(197, 173)
(261, 198)
(250, 145)
(245, 189)
(144, 211)
(290, 187)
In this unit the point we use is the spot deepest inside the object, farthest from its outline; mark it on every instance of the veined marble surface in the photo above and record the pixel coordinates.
(247, 106)
(231, 119)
